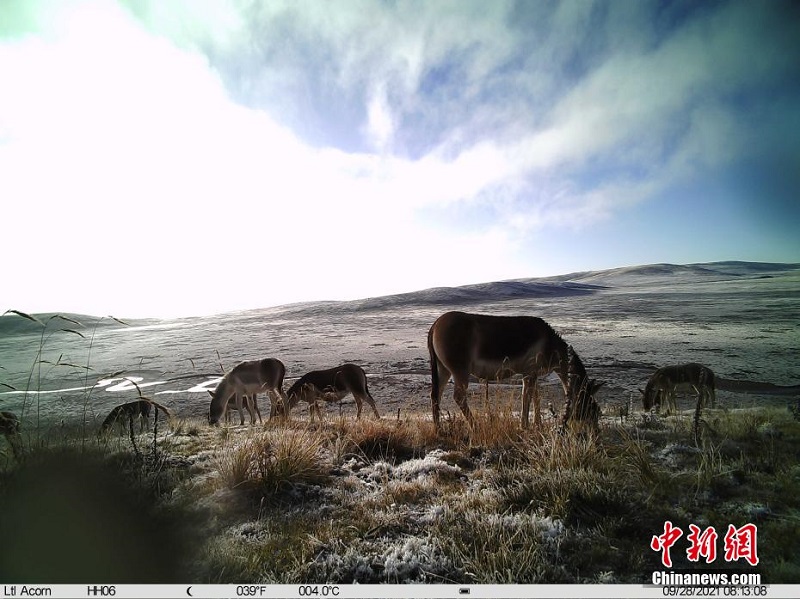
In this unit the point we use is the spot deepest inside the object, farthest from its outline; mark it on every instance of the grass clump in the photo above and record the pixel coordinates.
(274, 461)
(390, 501)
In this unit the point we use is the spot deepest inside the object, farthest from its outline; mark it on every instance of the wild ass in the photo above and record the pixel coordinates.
(665, 381)
(248, 379)
(9, 428)
(332, 385)
(495, 347)
(133, 409)
(9, 424)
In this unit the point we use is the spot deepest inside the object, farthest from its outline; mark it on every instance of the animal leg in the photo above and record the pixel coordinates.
(282, 405)
(528, 391)
(460, 397)
(659, 393)
(239, 399)
(437, 390)
(254, 397)
(313, 408)
(370, 402)
(273, 403)
(358, 406)
(670, 401)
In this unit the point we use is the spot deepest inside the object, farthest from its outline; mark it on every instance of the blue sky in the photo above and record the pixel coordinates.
(181, 158)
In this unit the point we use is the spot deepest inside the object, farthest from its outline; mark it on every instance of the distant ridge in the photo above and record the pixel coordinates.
(669, 273)
(578, 283)
(13, 324)
(477, 293)
(572, 284)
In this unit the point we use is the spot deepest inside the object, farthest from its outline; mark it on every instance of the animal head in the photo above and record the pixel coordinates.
(586, 406)
(215, 410)
(300, 390)
(651, 397)
(582, 390)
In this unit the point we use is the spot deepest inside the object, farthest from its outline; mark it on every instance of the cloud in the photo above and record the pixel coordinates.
(205, 137)
(380, 126)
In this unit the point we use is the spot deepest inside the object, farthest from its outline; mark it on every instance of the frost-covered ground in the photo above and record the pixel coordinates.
(388, 501)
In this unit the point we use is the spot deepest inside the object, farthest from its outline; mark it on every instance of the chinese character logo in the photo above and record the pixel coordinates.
(702, 544)
(665, 541)
(740, 543)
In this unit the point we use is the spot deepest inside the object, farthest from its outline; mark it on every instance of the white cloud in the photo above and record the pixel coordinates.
(165, 156)
(125, 158)
(380, 124)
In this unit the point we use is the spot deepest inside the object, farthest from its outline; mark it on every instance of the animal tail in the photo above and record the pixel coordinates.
(435, 383)
(366, 387)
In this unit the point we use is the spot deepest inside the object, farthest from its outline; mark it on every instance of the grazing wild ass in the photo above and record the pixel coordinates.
(133, 409)
(248, 379)
(9, 428)
(495, 347)
(665, 381)
(9, 424)
(331, 385)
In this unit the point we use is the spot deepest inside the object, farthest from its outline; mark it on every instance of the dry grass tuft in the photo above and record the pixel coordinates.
(273, 461)
(391, 441)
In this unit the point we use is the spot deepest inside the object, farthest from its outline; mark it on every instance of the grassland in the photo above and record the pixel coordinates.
(392, 501)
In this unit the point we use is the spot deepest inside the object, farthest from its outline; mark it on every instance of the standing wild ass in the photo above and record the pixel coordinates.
(331, 385)
(248, 379)
(495, 347)
(665, 381)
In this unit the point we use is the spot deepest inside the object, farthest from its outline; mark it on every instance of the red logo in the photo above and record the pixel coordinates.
(740, 543)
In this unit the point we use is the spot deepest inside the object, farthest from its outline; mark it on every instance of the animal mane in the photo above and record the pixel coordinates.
(561, 344)
(223, 383)
(576, 366)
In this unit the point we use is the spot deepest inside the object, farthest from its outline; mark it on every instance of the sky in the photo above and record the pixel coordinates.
(163, 159)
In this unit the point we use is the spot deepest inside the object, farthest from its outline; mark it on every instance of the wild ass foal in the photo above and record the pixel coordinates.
(9, 424)
(495, 347)
(9, 428)
(248, 378)
(140, 408)
(330, 385)
(665, 381)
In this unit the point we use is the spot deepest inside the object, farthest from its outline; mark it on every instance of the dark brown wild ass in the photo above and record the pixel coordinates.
(665, 381)
(330, 385)
(496, 347)
(248, 378)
